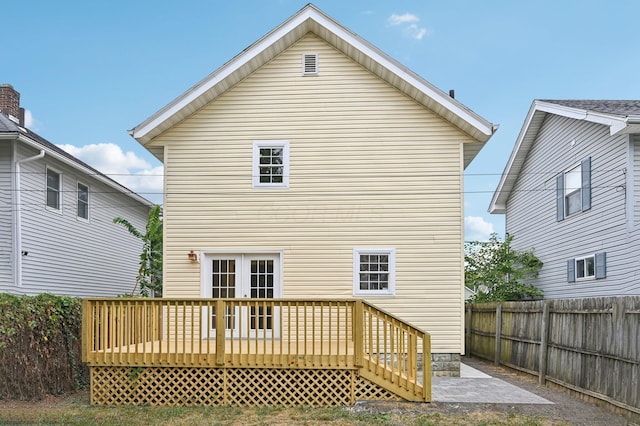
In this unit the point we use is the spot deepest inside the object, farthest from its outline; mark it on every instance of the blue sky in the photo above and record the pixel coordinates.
(89, 71)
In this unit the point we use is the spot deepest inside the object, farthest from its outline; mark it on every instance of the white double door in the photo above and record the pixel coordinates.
(246, 276)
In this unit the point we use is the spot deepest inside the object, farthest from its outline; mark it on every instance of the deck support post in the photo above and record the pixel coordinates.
(358, 333)
(426, 367)
(87, 331)
(220, 331)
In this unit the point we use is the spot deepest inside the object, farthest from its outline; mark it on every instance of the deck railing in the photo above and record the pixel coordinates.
(395, 351)
(265, 333)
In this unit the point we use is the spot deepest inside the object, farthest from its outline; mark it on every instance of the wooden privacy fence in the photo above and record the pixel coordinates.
(591, 346)
(259, 334)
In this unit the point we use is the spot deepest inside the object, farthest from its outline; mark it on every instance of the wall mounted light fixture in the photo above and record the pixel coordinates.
(193, 256)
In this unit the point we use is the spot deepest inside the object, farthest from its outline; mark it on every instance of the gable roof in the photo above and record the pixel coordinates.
(311, 19)
(11, 130)
(621, 116)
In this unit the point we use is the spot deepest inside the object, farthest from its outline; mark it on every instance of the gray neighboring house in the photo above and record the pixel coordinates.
(571, 192)
(56, 217)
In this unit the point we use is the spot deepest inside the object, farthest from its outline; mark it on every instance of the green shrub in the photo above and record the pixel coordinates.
(40, 346)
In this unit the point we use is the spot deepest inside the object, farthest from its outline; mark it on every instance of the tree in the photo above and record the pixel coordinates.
(495, 271)
(150, 272)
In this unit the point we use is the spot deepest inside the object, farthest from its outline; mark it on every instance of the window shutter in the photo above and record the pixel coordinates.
(601, 265)
(571, 270)
(560, 197)
(586, 184)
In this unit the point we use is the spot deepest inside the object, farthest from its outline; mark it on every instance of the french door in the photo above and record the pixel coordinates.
(254, 276)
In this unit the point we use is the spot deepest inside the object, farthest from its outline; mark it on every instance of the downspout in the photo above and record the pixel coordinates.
(18, 216)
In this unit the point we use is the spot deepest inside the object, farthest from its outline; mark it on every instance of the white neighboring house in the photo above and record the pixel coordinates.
(571, 192)
(56, 217)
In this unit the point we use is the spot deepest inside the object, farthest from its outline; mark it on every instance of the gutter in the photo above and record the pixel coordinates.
(17, 200)
(630, 125)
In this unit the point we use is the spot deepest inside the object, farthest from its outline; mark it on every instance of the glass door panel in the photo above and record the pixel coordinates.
(223, 286)
(262, 282)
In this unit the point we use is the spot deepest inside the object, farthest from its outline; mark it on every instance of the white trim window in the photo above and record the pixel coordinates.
(82, 210)
(589, 267)
(585, 267)
(374, 272)
(270, 164)
(53, 181)
(573, 190)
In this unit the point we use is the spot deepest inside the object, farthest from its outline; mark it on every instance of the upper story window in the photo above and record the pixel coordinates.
(83, 201)
(573, 190)
(54, 187)
(374, 271)
(270, 164)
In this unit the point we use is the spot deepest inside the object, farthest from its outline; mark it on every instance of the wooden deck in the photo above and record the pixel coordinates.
(349, 341)
(239, 353)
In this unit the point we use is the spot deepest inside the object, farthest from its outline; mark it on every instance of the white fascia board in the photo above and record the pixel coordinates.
(310, 12)
(104, 179)
(616, 123)
(564, 111)
(497, 205)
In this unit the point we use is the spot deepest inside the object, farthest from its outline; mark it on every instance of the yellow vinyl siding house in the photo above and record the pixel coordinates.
(312, 166)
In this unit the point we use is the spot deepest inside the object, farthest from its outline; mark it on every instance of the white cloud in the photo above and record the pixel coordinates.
(410, 23)
(402, 19)
(126, 168)
(30, 122)
(415, 32)
(477, 229)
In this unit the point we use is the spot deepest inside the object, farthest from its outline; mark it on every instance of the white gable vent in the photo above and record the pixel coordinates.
(310, 64)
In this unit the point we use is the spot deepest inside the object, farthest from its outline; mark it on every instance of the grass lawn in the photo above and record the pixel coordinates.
(75, 410)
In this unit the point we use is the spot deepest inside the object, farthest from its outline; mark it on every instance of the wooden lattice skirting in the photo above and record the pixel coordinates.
(160, 386)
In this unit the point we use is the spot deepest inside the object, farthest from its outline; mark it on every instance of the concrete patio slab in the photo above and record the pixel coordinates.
(477, 387)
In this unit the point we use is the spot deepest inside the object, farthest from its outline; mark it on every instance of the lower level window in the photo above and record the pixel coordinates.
(587, 267)
(374, 271)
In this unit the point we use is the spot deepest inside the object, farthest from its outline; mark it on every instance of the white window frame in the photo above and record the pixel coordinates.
(304, 62)
(46, 190)
(78, 201)
(584, 267)
(257, 145)
(391, 288)
(576, 168)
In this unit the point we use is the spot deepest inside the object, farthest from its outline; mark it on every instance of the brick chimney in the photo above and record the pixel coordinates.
(10, 103)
